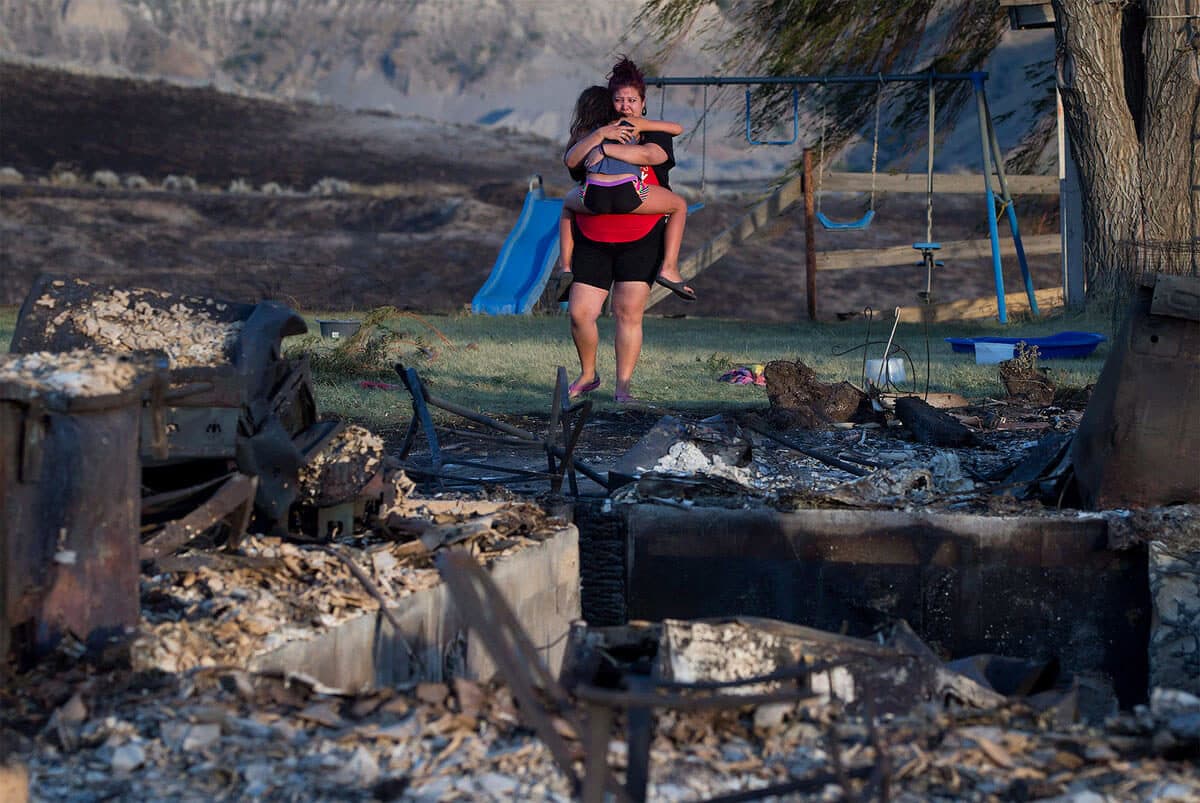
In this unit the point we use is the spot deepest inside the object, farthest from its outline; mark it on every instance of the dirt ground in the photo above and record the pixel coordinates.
(431, 208)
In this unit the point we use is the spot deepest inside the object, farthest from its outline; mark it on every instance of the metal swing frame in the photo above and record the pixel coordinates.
(993, 161)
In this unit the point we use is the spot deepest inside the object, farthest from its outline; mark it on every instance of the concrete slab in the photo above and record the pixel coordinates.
(540, 583)
(1032, 586)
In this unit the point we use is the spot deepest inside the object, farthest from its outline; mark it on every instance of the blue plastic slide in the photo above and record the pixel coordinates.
(526, 259)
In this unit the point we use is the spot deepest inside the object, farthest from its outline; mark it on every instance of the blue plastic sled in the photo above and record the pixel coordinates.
(1060, 346)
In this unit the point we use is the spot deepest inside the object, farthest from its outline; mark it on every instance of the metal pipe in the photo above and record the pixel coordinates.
(1010, 207)
(883, 366)
(480, 418)
(993, 231)
(828, 460)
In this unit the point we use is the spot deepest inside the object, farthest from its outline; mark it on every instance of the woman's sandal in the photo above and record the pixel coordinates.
(678, 288)
(622, 397)
(574, 390)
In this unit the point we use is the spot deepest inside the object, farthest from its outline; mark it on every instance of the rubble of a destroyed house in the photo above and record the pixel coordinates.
(746, 462)
(192, 397)
(191, 710)
(216, 733)
(202, 608)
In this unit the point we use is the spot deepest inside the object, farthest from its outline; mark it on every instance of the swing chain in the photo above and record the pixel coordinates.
(704, 144)
(929, 166)
(821, 152)
(874, 144)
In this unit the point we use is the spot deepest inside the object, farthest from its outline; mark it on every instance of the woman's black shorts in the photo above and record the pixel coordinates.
(600, 264)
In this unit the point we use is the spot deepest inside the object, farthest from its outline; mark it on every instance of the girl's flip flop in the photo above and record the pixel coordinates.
(678, 288)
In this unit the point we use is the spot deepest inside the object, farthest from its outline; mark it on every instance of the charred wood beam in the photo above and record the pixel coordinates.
(930, 425)
(539, 696)
(214, 560)
(233, 500)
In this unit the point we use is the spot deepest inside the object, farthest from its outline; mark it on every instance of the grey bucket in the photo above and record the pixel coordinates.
(335, 330)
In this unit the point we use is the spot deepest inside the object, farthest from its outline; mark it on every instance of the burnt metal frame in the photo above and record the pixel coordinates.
(485, 610)
(562, 436)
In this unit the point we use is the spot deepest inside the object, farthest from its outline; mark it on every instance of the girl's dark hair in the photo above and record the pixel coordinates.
(626, 73)
(593, 109)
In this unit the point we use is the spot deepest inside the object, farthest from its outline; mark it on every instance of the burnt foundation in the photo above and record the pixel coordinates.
(541, 584)
(1037, 587)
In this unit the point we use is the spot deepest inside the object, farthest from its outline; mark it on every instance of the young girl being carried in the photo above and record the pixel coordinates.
(613, 186)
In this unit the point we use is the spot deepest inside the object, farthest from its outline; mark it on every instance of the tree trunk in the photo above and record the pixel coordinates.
(1100, 125)
(1130, 91)
(1172, 101)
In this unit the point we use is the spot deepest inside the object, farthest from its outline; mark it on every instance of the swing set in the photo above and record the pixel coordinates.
(998, 202)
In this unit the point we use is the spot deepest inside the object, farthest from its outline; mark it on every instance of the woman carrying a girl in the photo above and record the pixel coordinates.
(612, 184)
(620, 254)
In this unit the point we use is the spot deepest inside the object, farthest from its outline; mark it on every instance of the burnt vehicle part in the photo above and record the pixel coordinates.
(246, 408)
(1138, 444)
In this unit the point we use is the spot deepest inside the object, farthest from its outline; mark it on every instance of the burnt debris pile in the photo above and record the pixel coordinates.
(856, 593)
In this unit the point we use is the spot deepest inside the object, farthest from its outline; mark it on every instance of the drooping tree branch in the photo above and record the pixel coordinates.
(816, 37)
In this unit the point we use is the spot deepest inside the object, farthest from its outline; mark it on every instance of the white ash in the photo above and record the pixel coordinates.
(122, 320)
(72, 373)
(947, 471)
(685, 457)
(355, 454)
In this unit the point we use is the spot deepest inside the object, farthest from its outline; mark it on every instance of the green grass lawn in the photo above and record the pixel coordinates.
(507, 364)
(8, 322)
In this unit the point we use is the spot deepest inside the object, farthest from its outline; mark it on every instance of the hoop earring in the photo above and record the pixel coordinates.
(643, 110)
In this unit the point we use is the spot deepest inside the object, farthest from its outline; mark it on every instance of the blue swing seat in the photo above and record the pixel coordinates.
(861, 223)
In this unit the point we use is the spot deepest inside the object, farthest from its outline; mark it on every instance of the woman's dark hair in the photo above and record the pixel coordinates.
(626, 73)
(593, 109)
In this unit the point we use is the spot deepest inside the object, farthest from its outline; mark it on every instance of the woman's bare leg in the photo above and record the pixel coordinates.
(661, 201)
(587, 302)
(628, 307)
